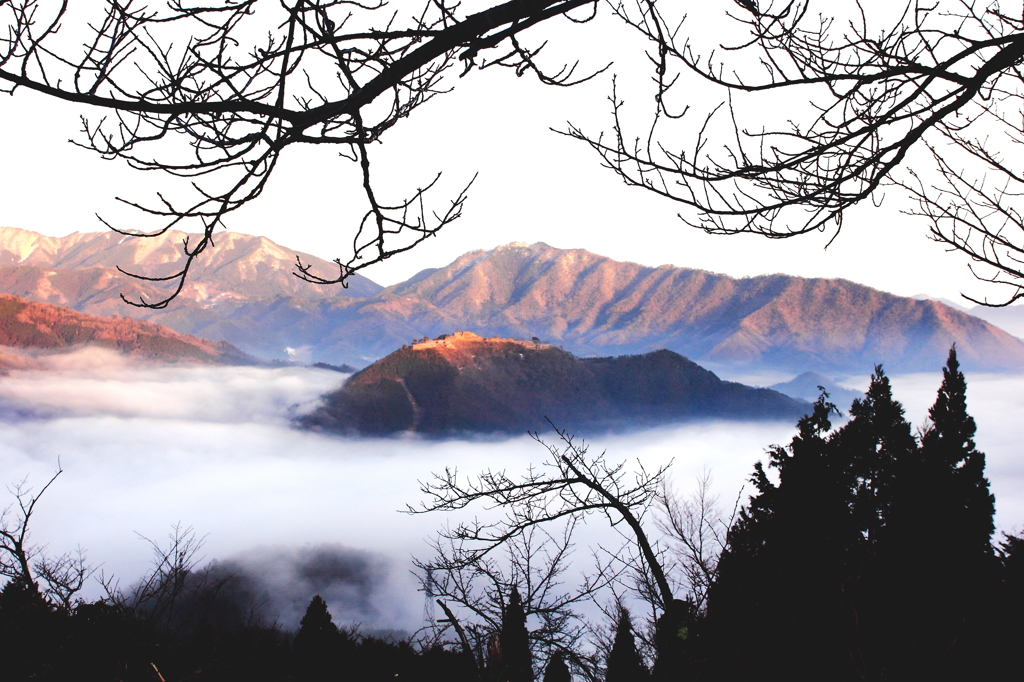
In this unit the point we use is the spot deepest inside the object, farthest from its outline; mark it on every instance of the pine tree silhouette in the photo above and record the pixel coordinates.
(624, 662)
(557, 670)
(934, 561)
(877, 444)
(778, 603)
(949, 454)
(516, 661)
(318, 643)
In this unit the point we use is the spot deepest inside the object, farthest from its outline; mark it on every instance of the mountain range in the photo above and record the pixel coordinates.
(244, 292)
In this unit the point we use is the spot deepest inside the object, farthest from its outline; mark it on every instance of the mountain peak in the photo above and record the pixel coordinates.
(467, 383)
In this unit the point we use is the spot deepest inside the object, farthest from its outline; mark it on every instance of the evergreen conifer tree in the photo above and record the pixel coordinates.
(934, 561)
(778, 603)
(871, 557)
(557, 670)
(516, 661)
(877, 443)
(624, 662)
(954, 464)
(318, 643)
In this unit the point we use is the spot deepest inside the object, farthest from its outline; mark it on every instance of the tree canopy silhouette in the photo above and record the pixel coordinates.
(927, 101)
(624, 661)
(187, 89)
(871, 556)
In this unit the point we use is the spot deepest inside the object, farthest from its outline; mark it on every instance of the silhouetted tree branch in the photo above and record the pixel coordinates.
(535, 562)
(63, 576)
(944, 79)
(570, 485)
(330, 72)
(698, 530)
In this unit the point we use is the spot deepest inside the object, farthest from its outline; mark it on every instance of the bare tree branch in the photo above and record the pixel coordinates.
(944, 78)
(330, 72)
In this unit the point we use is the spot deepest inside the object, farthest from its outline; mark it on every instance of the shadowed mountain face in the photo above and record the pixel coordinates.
(28, 329)
(245, 293)
(466, 383)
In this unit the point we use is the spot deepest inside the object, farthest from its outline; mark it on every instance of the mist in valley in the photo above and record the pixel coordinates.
(296, 513)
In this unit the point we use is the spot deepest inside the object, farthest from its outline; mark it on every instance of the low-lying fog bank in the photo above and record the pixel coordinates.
(145, 447)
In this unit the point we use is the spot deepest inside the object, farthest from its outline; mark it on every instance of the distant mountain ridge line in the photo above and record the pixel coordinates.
(589, 304)
(700, 314)
(46, 328)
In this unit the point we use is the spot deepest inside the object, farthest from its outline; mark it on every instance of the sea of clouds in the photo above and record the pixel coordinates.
(144, 447)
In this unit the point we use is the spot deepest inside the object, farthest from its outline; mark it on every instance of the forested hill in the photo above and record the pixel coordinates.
(28, 329)
(244, 292)
(465, 383)
(594, 305)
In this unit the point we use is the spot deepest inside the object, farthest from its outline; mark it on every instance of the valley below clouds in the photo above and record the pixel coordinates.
(146, 446)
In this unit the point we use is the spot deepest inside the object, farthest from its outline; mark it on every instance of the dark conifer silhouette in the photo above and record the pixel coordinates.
(624, 662)
(557, 670)
(318, 642)
(515, 663)
(872, 555)
(779, 599)
(877, 443)
(949, 453)
(672, 641)
(933, 559)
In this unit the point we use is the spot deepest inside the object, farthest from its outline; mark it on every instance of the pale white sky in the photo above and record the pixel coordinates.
(534, 185)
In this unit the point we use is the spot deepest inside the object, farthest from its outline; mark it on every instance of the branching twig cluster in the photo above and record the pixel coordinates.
(944, 77)
(329, 72)
(63, 576)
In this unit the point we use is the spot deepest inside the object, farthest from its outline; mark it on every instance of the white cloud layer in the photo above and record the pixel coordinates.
(144, 447)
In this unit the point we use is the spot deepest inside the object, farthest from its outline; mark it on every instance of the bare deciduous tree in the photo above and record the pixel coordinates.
(479, 561)
(943, 78)
(177, 594)
(473, 591)
(571, 484)
(698, 531)
(329, 72)
(63, 576)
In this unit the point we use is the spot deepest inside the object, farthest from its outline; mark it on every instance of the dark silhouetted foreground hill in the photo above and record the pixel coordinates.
(27, 329)
(245, 293)
(465, 383)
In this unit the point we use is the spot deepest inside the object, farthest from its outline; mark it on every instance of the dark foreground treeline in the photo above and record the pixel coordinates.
(105, 641)
(869, 556)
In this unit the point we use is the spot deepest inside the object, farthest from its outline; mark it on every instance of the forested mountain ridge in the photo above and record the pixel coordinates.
(466, 383)
(245, 292)
(28, 328)
(592, 304)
